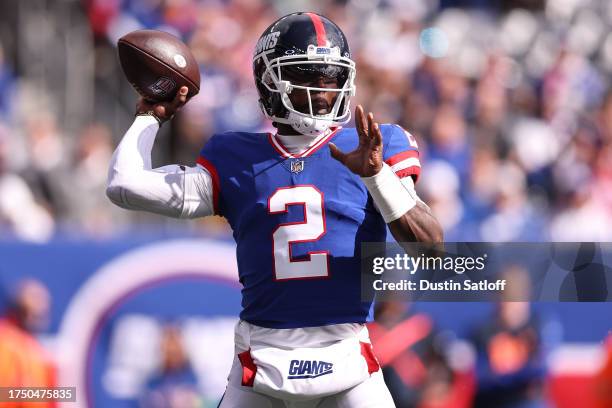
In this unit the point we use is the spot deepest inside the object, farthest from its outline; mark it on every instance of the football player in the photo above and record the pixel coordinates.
(300, 203)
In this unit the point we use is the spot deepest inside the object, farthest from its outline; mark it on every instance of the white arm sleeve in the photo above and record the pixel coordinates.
(174, 190)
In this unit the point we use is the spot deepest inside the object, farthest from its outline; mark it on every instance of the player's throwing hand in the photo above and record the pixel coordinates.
(367, 159)
(163, 111)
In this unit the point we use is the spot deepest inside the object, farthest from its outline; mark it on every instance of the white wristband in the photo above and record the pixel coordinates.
(389, 194)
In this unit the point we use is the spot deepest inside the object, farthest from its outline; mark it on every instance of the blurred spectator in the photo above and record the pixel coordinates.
(175, 385)
(23, 361)
(20, 214)
(85, 201)
(416, 360)
(514, 217)
(46, 154)
(510, 355)
(449, 139)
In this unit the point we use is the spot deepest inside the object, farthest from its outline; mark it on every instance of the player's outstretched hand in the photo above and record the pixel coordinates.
(367, 159)
(163, 111)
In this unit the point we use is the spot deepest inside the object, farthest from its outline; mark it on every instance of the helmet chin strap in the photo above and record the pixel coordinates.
(310, 126)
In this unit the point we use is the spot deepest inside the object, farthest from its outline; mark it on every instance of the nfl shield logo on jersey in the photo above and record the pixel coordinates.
(297, 166)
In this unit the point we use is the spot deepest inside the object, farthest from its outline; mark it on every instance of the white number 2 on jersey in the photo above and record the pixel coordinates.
(311, 229)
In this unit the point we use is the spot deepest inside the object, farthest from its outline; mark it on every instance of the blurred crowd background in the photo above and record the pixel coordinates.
(509, 100)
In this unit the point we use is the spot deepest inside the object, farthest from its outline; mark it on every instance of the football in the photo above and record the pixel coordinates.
(157, 64)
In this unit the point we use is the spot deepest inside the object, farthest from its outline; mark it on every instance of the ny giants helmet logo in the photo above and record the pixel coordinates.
(267, 41)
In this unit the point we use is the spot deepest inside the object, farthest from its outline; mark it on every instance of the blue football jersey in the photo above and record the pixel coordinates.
(298, 222)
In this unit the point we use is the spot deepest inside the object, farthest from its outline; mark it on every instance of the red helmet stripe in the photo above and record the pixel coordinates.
(319, 29)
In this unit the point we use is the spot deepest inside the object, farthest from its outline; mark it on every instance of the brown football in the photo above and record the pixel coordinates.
(157, 64)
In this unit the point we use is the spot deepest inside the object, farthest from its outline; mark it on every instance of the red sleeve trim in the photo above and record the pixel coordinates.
(215, 180)
(402, 156)
(414, 171)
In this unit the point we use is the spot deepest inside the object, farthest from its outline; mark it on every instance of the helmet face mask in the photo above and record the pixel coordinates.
(290, 65)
